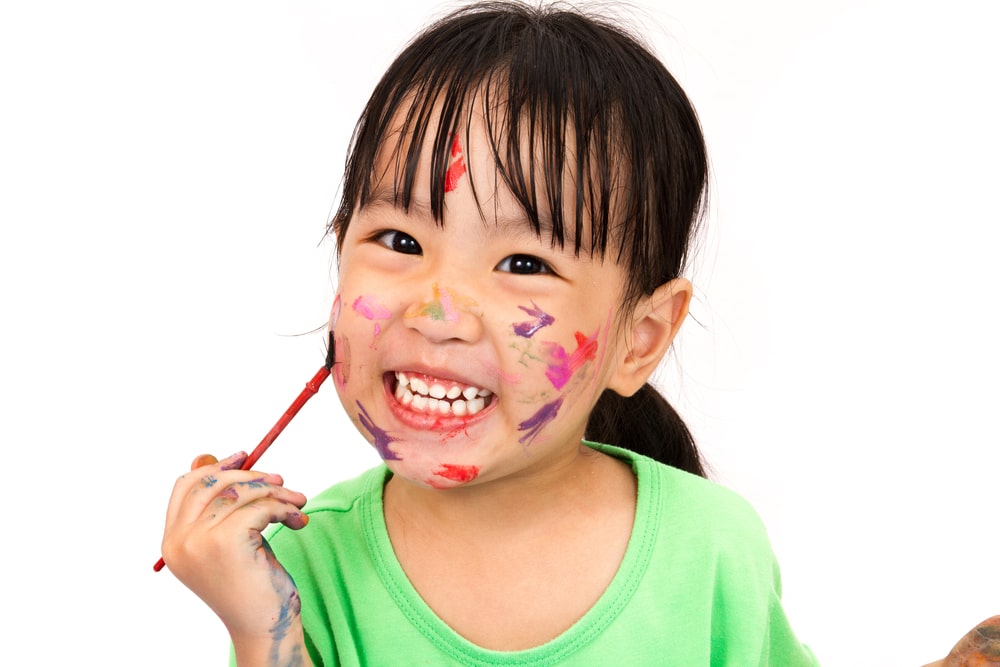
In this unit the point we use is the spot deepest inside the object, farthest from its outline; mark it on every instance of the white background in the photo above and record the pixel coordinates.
(166, 171)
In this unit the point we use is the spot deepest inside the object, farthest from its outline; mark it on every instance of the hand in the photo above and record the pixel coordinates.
(979, 648)
(212, 542)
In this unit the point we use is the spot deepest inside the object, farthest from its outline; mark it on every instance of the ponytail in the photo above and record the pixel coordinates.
(645, 424)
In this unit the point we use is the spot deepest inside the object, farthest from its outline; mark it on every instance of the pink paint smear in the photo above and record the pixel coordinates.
(367, 307)
(562, 366)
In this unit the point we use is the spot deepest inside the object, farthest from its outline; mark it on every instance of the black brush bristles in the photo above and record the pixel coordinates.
(331, 352)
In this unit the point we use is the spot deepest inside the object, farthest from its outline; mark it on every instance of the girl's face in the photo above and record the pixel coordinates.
(473, 351)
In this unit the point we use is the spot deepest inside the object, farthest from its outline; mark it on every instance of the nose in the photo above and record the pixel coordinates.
(448, 315)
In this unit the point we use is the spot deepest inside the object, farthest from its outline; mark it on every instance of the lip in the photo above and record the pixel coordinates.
(424, 421)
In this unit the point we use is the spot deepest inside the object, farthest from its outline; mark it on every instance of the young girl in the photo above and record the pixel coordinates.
(516, 212)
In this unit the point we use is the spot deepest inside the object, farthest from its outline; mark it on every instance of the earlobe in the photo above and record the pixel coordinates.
(653, 327)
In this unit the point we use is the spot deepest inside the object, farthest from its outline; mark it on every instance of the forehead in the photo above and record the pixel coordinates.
(521, 174)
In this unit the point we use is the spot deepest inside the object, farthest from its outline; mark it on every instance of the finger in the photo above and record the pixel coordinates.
(200, 477)
(231, 491)
(203, 460)
(263, 512)
(981, 646)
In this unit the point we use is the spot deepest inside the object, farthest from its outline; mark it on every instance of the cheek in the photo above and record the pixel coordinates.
(334, 314)
(342, 363)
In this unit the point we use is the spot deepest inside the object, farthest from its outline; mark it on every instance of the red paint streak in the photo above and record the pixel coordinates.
(454, 433)
(457, 473)
(457, 167)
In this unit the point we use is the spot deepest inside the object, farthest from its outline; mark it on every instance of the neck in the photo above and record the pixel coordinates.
(581, 482)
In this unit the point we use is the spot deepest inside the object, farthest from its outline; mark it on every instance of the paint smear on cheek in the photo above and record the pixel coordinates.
(342, 369)
(457, 167)
(538, 421)
(380, 438)
(531, 327)
(562, 366)
(368, 308)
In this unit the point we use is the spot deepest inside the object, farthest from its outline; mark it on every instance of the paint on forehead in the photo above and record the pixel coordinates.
(534, 425)
(456, 169)
(531, 327)
(562, 365)
(445, 306)
(367, 307)
(380, 438)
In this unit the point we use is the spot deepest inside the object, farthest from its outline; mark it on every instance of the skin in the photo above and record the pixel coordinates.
(483, 510)
(212, 543)
(455, 310)
(980, 647)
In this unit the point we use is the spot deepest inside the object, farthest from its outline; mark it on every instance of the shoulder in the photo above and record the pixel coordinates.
(690, 508)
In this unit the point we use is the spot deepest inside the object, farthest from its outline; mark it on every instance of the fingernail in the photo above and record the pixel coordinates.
(203, 460)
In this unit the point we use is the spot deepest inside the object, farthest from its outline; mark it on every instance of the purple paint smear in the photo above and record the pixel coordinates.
(530, 328)
(381, 439)
(538, 421)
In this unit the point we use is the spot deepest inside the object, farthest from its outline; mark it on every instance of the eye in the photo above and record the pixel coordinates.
(523, 264)
(398, 241)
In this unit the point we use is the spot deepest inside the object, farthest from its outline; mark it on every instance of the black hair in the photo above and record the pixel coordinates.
(562, 92)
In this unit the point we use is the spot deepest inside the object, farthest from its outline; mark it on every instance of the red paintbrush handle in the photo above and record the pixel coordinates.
(311, 388)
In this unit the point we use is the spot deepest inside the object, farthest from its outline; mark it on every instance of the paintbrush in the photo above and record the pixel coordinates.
(310, 389)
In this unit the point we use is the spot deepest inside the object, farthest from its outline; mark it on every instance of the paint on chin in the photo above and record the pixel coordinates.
(562, 366)
(453, 472)
(538, 421)
(531, 327)
(380, 438)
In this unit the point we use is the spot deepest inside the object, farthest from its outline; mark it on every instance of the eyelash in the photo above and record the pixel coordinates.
(402, 242)
(542, 267)
(389, 238)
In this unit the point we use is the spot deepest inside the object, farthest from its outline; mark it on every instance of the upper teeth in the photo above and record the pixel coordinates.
(435, 397)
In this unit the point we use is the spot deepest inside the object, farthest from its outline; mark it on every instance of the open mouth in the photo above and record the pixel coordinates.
(436, 396)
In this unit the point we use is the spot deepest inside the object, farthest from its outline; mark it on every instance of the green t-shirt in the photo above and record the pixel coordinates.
(699, 585)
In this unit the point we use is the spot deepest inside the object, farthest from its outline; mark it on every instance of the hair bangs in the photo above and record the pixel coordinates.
(551, 138)
(589, 132)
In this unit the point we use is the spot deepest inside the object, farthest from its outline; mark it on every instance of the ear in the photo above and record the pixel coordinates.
(649, 334)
